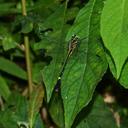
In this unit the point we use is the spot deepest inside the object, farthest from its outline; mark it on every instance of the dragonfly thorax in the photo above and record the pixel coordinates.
(73, 44)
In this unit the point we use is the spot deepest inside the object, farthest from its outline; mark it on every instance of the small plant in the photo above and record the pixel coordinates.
(63, 64)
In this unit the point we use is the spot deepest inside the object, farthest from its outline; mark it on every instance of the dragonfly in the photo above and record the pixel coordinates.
(49, 44)
(73, 44)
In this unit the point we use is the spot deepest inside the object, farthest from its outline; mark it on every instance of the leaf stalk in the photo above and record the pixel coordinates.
(27, 52)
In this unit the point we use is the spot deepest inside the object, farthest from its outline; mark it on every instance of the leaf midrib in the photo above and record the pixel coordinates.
(84, 71)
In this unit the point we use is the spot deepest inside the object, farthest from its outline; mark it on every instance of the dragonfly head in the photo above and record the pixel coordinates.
(74, 36)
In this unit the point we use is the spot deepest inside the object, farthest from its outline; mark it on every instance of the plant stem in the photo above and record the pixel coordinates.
(27, 52)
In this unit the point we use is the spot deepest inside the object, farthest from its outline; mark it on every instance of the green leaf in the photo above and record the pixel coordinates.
(39, 122)
(123, 77)
(47, 7)
(27, 25)
(114, 31)
(36, 72)
(100, 116)
(86, 68)
(8, 42)
(12, 69)
(56, 109)
(7, 8)
(8, 119)
(19, 106)
(4, 89)
(35, 103)
(15, 111)
(71, 13)
(51, 72)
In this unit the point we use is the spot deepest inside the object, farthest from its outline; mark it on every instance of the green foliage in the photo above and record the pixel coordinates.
(7, 40)
(99, 116)
(84, 70)
(8, 119)
(38, 122)
(114, 32)
(11, 68)
(4, 89)
(34, 105)
(65, 76)
(15, 111)
(56, 109)
(54, 68)
(7, 8)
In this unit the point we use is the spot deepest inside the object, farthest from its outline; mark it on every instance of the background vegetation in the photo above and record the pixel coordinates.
(42, 85)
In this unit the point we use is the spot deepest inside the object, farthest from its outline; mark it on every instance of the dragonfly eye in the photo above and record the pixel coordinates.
(73, 36)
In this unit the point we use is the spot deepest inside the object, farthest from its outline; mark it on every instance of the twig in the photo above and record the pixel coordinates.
(27, 52)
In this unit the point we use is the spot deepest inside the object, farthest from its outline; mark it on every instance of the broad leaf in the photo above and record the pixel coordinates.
(124, 73)
(45, 6)
(100, 116)
(36, 72)
(12, 69)
(15, 111)
(123, 78)
(114, 31)
(54, 44)
(8, 119)
(39, 122)
(35, 103)
(27, 25)
(8, 43)
(56, 109)
(18, 105)
(7, 8)
(6, 39)
(4, 89)
(55, 49)
(85, 68)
